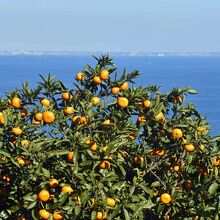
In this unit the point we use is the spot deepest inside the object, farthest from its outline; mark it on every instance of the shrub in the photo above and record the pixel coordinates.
(104, 149)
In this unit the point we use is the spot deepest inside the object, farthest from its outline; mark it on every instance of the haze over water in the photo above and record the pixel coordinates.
(202, 73)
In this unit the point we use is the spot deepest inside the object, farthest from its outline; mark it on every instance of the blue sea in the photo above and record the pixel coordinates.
(201, 72)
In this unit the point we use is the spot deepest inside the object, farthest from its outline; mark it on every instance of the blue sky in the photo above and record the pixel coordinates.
(110, 26)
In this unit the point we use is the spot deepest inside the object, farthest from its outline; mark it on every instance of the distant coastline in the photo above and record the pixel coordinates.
(76, 53)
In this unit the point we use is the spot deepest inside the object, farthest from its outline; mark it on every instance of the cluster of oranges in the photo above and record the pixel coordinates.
(105, 150)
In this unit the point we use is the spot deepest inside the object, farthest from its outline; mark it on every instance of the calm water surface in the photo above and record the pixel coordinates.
(200, 72)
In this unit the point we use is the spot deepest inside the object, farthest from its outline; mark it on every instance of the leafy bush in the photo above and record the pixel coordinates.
(104, 149)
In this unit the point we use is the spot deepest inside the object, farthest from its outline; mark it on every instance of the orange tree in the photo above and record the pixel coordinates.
(104, 149)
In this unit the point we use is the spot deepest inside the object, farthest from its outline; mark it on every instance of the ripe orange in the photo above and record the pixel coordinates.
(95, 101)
(70, 156)
(75, 119)
(124, 86)
(44, 214)
(101, 216)
(16, 102)
(53, 183)
(104, 148)
(38, 116)
(82, 120)
(43, 195)
(202, 147)
(159, 117)
(6, 178)
(48, 117)
(216, 162)
(57, 215)
(159, 152)
(201, 130)
(176, 168)
(123, 102)
(138, 160)
(104, 74)
(80, 76)
(21, 161)
(132, 136)
(165, 198)
(177, 133)
(146, 104)
(68, 110)
(104, 164)
(36, 122)
(23, 112)
(45, 102)
(17, 131)
(93, 146)
(66, 96)
(189, 147)
(67, 189)
(96, 80)
(110, 202)
(93, 201)
(2, 119)
(115, 90)
(107, 122)
(141, 119)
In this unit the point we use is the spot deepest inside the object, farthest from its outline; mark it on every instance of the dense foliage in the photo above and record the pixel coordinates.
(104, 149)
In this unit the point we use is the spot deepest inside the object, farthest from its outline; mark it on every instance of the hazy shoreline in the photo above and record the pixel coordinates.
(76, 53)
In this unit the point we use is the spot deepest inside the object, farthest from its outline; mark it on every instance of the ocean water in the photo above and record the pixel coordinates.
(202, 73)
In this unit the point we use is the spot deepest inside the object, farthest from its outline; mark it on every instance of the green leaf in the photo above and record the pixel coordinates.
(77, 210)
(213, 188)
(126, 215)
(191, 91)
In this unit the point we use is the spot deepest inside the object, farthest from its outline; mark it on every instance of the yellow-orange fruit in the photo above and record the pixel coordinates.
(110, 202)
(95, 101)
(104, 74)
(2, 119)
(57, 215)
(104, 148)
(23, 112)
(165, 198)
(68, 110)
(48, 117)
(101, 216)
(159, 117)
(189, 147)
(216, 162)
(80, 76)
(122, 102)
(38, 116)
(16, 102)
(70, 156)
(44, 214)
(138, 160)
(53, 183)
(124, 86)
(17, 131)
(93, 146)
(104, 164)
(45, 102)
(96, 80)
(43, 195)
(66, 96)
(67, 189)
(177, 133)
(146, 104)
(115, 90)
